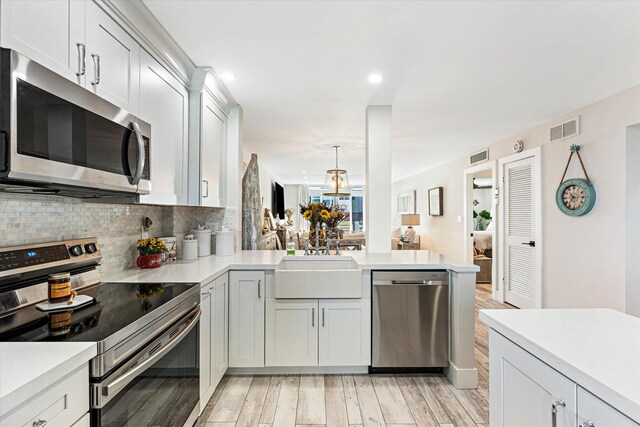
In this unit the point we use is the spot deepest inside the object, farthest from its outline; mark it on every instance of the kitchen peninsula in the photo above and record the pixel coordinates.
(248, 280)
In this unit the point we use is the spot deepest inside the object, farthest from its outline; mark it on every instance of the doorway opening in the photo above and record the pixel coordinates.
(481, 220)
(632, 294)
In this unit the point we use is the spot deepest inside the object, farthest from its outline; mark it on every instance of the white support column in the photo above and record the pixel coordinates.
(233, 185)
(378, 178)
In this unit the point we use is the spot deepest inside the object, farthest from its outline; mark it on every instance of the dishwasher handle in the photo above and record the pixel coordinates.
(412, 283)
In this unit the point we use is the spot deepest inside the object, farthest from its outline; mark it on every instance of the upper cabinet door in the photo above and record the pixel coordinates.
(51, 32)
(212, 153)
(113, 60)
(164, 103)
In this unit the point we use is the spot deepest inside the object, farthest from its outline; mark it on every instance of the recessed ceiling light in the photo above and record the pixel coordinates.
(227, 76)
(375, 78)
(303, 172)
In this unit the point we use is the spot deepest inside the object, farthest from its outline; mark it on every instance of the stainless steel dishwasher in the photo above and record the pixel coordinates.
(410, 325)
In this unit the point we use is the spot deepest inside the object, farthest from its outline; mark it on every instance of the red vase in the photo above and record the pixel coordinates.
(149, 261)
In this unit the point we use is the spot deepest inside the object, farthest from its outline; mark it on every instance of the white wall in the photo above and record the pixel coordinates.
(583, 258)
(633, 221)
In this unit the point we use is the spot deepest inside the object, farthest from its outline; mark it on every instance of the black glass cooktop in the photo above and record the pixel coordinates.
(115, 306)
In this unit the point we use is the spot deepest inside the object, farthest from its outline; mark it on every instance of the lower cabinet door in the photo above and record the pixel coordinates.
(206, 342)
(593, 412)
(219, 324)
(292, 333)
(526, 392)
(344, 333)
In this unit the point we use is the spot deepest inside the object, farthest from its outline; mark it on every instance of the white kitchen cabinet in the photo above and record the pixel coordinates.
(51, 32)
(164, 103)
(291, 333)
(246, 319)
(212, 153)
(60, 403)
(206, 343)
(207, 143)
(113, 60)
(311, 332)
(594, 412)
(344, 333)
(85, 421)
(524, 390)
(213, 337)
(220, 326)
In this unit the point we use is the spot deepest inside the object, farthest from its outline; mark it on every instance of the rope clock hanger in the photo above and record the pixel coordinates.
(575, 196)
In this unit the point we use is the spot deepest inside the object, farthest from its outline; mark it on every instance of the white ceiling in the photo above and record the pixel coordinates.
(460, 75)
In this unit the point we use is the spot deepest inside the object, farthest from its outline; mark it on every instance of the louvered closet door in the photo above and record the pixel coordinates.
(519, 228)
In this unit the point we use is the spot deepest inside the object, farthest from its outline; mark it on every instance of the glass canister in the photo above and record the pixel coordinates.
(59, 287)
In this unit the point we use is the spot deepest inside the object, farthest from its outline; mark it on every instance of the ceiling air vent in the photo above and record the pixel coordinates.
(565, 130)
(480, 156)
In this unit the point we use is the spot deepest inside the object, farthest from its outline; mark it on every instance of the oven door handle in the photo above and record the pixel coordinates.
(114, 386)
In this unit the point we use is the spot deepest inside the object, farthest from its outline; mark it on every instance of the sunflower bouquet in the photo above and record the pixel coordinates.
(337, 214)
(316, 213)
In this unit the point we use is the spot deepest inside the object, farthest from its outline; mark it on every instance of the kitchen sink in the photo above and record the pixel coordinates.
(318, 277)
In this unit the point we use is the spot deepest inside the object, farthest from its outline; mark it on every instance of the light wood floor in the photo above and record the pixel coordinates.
(356, 400)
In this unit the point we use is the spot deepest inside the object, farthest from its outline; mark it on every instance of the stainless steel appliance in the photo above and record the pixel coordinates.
(410, 325)
(147, 369)
(58, 137)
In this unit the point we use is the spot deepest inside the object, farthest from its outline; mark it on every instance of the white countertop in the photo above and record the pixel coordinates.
(27, 368)
(208, 268)
(596, 348)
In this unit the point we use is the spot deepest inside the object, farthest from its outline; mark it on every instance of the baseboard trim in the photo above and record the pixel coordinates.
(462, 378)
(292, 370)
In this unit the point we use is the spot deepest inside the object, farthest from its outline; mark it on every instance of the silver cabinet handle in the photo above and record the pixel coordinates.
(39, 423)
(323, 317)
(82, 52)
(96, 69)
(206, 292)
(313, 317)
(259, 285)
(206, 187)
(587, 423)
(554, 410)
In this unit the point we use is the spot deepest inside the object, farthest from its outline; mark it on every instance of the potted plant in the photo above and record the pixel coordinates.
(150, 251)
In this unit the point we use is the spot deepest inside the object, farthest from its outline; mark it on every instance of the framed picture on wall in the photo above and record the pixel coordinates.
(435, 201)
(407, 202)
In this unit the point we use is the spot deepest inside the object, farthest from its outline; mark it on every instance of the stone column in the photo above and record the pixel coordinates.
(251, 206)
(378, 178)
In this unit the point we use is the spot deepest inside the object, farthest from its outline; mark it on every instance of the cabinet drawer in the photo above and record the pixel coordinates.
(595, 412)
(60, 404)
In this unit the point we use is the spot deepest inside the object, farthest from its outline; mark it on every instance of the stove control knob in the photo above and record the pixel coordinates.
(76, 250)
(90, 248)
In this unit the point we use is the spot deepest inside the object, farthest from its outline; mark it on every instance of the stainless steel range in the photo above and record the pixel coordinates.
(146, 372)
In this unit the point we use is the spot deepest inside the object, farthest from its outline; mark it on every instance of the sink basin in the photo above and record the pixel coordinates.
(318, 277)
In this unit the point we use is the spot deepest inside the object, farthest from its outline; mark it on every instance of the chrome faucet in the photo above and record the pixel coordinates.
(328, 249)
(337, 246)
(306, 246)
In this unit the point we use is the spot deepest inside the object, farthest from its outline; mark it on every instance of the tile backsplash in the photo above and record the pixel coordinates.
(26, 219)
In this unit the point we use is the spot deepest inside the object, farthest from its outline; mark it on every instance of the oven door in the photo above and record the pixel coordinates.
(159, 386)
(59, 133)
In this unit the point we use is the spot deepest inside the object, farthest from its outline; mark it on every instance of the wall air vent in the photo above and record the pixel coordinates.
(479, 157)
(565, 130)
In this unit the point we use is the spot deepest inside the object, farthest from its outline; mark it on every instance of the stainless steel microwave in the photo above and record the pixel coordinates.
(57, 137)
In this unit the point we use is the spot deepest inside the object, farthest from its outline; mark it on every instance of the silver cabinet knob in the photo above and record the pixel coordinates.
(587, 423)
(39, 423)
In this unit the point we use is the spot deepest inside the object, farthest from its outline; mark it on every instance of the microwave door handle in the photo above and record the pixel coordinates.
(135, 179)
(114, 386)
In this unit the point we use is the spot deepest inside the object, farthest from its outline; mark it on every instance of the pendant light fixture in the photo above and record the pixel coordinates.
(336, 182)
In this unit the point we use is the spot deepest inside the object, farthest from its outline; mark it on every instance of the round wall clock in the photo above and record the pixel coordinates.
(576, 197)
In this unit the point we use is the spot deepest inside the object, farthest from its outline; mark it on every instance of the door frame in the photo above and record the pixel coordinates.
(468, 220)
(536, 153)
